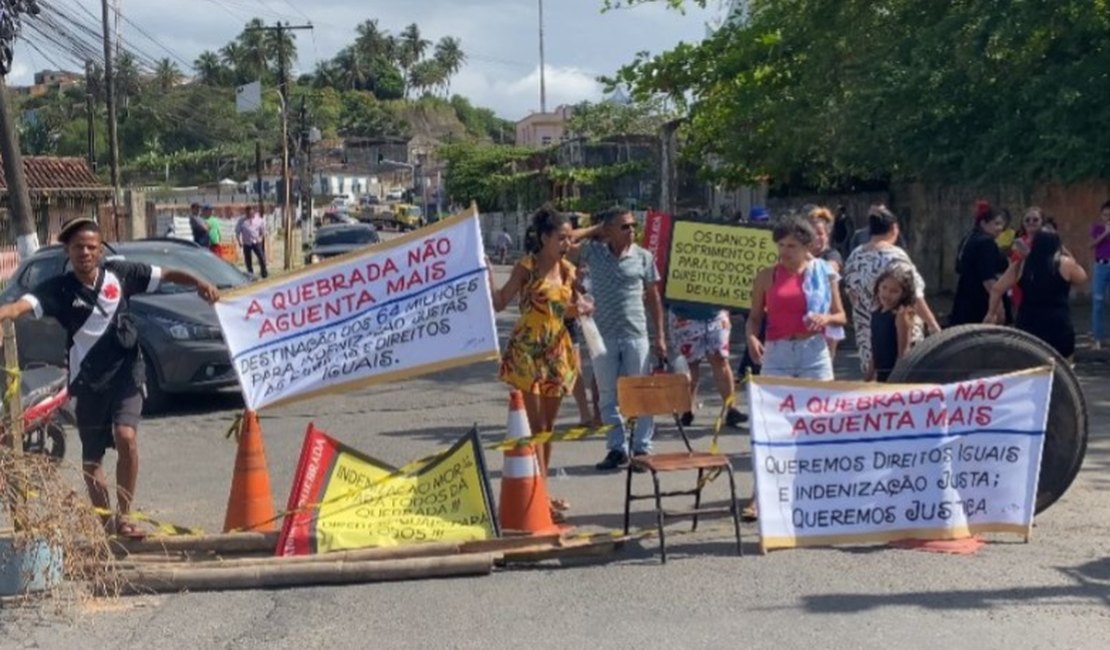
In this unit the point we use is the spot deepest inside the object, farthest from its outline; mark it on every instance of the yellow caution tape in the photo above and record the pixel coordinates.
(575, 433)
(166, 529)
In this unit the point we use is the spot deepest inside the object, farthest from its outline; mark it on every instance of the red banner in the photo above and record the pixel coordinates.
(657, 238)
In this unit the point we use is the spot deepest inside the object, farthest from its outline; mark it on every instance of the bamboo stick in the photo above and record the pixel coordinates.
(175, 579)
(224, 543)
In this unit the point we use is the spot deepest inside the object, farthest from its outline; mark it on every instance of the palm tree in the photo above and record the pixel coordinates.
(127, 80)
(425, 75)
(449, 55)
(411, 48)
(349, 69)
(167, 74)
(209, 69)
(372, 42)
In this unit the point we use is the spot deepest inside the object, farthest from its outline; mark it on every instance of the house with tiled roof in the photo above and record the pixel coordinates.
(61, 188)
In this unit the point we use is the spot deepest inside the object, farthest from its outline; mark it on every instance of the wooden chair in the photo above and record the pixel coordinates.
(670, 394)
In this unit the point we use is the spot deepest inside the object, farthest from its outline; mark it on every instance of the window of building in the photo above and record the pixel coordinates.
(546, 140)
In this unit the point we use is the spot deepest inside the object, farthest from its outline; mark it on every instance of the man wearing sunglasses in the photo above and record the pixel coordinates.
(624, 282)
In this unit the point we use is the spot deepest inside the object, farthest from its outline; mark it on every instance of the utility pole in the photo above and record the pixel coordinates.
(543, 78)
(258, 173)
(283, 87)
(110, 99)
(90, 114)
(19, 198)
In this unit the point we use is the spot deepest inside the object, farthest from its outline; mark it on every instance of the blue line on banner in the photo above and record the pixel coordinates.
(910, 436)
(368, 310)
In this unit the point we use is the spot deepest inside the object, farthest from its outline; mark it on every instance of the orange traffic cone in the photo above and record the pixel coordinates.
(251, 503)
(525, 507)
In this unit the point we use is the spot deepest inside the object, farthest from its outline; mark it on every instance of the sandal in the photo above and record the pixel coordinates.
(560, 505)
(749, 514)
(558, 517)
(122, 527)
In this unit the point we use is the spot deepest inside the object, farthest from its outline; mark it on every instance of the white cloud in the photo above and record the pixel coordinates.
(500, 38)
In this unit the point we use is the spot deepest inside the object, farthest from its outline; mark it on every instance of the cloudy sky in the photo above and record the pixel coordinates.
(499, 37)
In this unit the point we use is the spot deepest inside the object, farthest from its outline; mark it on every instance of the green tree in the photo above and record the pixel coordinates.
(410, 50)
(167, 75)
(210, 69)
(450, 58)
(608, 118)
(818, 94)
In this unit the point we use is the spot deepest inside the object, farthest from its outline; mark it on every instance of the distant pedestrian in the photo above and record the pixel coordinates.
(198, 225)
(1100, 245)
(1046, 276)
(250, 234)
(979, 264)
(214, 236)
(892, 321)
(503, 245)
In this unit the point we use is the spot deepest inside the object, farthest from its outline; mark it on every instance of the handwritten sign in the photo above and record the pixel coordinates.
(342, 499)
(414, 305)
(838, 462)
(716, 264)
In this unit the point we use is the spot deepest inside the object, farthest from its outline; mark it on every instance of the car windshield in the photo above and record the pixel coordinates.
(346, 236)
(197, 261)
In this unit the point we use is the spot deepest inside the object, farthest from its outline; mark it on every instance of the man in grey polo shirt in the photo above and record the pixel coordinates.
(623, 278)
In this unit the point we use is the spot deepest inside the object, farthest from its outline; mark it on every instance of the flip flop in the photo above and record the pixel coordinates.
(127, 529)
(748, 514)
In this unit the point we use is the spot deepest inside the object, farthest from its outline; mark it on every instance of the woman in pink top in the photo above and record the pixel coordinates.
(798, 299)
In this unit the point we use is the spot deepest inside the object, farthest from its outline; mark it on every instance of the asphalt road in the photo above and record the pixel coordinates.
(1053, 592)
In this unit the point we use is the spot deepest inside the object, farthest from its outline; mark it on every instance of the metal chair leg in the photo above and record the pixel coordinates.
(697, 499)
(628, 497)
(735, 509)
(659, 516)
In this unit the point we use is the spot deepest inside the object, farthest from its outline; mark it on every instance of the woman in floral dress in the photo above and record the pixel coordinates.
(539, 359)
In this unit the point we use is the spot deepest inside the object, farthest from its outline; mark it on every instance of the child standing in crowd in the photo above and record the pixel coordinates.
(892, 321)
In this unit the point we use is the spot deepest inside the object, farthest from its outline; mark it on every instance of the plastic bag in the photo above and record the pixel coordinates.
(592, 336)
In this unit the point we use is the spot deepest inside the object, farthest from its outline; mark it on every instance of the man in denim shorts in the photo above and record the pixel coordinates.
(702, 332)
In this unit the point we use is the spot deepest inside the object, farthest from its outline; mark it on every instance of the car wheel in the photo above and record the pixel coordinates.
(156, 399)
(973, 351)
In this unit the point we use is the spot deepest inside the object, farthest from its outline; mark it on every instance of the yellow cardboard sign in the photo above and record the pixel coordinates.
(343, 499)
(716, 264)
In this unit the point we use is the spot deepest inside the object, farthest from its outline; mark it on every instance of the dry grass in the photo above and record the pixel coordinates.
(41, 504)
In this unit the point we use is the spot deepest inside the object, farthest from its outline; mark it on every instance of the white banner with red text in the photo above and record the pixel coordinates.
(844, 463)
(414, 305)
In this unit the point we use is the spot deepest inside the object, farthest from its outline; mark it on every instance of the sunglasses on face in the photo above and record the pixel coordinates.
(1032, 220)
(628, 226)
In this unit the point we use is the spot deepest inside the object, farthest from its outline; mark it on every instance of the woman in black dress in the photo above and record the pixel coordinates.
(979, 265)
(1045, 276)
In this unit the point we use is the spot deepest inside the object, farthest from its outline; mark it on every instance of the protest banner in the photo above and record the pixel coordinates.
(657, 238)
(414, 305)
(839, 462)
(342, 499)
(716, 264)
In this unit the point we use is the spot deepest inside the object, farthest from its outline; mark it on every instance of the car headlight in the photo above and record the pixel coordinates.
(183, 331)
